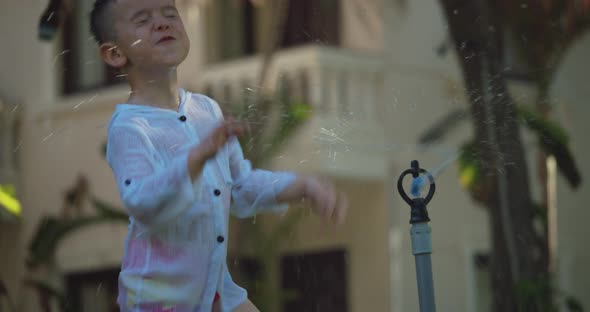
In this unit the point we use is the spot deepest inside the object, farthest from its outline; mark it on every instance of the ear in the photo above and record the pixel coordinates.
(112, 55)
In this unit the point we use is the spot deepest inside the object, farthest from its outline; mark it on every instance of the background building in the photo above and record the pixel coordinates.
(376, 81)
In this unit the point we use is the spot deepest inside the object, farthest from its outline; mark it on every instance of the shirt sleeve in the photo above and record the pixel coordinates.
(253, 190)
(154, 195)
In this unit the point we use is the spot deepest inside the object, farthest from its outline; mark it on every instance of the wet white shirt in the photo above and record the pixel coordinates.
(176, 247)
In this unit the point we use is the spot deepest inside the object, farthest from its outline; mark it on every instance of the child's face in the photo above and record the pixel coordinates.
(150, 33)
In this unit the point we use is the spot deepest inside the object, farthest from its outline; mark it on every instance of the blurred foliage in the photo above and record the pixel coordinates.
(543, 30)
(528, 292)
(5, 298)
(52, 230)
(265, 139)
(553, 139)
(267, 136)
(47, 293)
(10, 206)
(262, 245)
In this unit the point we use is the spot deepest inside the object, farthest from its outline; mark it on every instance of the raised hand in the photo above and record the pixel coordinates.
(219, 136)
(211, 144)
(331, 205)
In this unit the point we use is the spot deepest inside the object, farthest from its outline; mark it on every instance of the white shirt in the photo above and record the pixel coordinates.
(176, 247)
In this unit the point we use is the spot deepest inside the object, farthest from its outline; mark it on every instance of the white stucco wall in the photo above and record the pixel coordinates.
(570, 93)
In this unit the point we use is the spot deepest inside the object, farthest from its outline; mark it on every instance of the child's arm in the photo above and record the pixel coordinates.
(255, 190)
(153, 196)
(325, 200)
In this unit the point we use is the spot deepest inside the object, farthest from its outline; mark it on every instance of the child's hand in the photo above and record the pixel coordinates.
(211, 144)
(218, 137)
(326, 201)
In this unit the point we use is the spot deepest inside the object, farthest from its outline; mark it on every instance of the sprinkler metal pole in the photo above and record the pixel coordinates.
(420, 234)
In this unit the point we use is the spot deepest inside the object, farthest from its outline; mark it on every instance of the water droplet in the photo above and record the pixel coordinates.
(78, 106)
(17, 148)
(48, 136)
(15, 108)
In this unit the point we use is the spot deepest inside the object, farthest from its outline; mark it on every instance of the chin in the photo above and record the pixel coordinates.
(174, 59)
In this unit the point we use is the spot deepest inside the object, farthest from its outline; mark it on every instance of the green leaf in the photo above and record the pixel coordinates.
(554, 140)
(45, 289)
(541, 125)
(108, 211)
(573, 305)
(53, 230)
(5, 295)
(469, 168)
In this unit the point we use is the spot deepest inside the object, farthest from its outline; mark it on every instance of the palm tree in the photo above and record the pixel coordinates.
(519, 261)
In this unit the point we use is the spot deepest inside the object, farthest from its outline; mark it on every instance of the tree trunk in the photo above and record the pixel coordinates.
(516, 252)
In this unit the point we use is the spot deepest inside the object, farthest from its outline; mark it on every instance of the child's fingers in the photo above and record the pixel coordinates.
(330, 196)
(341, 209)
(234, 128)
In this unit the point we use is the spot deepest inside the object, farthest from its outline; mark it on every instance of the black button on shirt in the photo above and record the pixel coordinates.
(182, 118)
(220, 239)
(217, 192)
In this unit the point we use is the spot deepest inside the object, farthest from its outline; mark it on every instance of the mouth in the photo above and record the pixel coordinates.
(166, 39)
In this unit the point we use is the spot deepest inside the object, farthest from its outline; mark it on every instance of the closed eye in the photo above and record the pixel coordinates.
(141, 17)
(170, 12)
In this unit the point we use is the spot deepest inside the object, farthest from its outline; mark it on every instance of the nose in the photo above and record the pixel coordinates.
(161, 23)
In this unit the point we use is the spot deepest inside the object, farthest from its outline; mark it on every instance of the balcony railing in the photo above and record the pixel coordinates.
(334, 82)
(345, 90)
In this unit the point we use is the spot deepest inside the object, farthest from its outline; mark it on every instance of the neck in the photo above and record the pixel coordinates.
(157, 88)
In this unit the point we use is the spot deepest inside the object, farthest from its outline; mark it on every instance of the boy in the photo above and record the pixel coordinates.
(180, 170)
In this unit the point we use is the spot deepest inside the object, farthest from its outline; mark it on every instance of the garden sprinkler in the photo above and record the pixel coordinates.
(420, 233)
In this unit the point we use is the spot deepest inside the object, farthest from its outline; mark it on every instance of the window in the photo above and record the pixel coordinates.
(318, 280)
(83, 68)
(230, 29)
(312, 21)
(93, 291)
(237, 28)
(246, 272)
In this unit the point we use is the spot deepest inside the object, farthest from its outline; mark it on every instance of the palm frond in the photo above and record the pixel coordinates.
(554, 140)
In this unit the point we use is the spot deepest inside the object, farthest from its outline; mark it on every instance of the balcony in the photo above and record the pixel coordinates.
(331, 80)
(345, 90)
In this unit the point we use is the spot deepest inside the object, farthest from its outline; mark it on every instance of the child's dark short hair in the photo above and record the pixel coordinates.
(101, 23)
